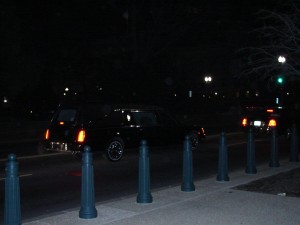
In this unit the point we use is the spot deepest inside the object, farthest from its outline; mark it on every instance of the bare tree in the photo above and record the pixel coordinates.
(279, 35)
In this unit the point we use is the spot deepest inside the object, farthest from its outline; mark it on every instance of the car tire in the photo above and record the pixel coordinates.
(194, 140)
(115, 149)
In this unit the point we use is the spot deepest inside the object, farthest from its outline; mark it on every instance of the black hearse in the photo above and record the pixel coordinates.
(114, 128)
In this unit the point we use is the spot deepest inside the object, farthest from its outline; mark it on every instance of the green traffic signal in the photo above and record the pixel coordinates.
(280, 80)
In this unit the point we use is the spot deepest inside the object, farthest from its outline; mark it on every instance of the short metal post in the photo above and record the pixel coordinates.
(88, 209)
(223, 160)
(294, 145)
(274, 162)
(187, 182)
(12, 208)
(251, 165)
(144, 195)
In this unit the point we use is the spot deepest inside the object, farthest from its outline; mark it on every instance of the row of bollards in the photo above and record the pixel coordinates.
(12, 208)
(251, 164)
(144, 193)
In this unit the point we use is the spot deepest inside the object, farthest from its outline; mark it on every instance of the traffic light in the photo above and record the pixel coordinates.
(280, 80)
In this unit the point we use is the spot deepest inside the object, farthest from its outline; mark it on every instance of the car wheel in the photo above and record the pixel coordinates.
(115, 149)
(194, 140)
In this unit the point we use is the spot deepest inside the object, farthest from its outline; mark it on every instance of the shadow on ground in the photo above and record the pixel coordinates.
(286, 184)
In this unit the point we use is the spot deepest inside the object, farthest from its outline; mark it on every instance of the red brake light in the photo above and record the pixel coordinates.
(81, 136)
(47, 134)
(272, 123)
(203, 132)
(244, 122)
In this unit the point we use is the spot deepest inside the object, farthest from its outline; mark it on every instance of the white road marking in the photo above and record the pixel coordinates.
(23, 175)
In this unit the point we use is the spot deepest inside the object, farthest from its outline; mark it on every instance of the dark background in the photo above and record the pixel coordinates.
(151, 52)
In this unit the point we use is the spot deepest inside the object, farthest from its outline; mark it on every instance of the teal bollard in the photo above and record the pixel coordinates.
(187, 182)
(88, 209)
(274, 162)
(223, 160)
(144, 195)
(12, 208)
(251, 164)
(294, 145)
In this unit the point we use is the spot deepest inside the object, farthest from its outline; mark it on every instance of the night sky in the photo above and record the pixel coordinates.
(122, 48)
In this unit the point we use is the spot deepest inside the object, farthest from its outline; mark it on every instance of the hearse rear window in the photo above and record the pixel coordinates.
(66, 115)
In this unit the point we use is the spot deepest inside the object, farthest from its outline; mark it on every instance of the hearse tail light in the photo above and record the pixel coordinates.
(47, 134)
(81, 136)
(272, 123)
(244, 122)
(203, 132)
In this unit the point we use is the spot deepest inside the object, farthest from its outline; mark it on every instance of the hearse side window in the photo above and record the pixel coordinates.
(100, 115)
(66, 115)
(145, 118)
(115, 118)
(166, 120)
(93, 113)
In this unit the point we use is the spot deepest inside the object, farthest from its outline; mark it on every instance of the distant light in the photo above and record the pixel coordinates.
(272, 123)
(65, 93)
(281, 59)
(207, 79)
(175, 95)
(5, 100)
(66, 89)
(216, 93)
(190, 94)
(280, 80)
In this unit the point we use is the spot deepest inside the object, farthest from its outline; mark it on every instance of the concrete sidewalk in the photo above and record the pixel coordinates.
(212, 203)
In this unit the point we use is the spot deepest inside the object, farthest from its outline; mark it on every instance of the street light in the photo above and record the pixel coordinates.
(281, 59)
(207, 79)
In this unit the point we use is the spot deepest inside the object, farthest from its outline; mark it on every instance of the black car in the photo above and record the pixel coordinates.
(263, 119)
(114, 128)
